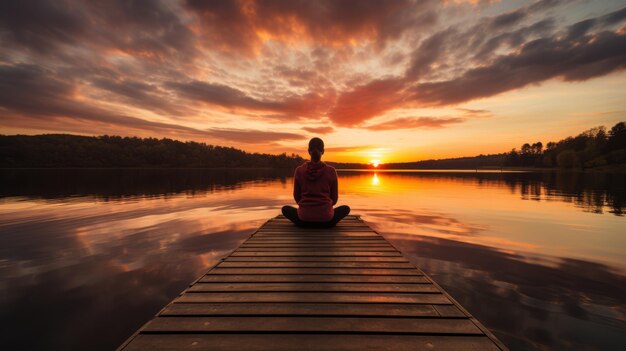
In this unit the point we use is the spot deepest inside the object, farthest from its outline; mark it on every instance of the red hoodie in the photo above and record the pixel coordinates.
(315, 191)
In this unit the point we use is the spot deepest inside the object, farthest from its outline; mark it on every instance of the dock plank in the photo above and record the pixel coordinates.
(289, 288)
(318, 259)
(309, 342)
(304, 309)
(314, 324)
(314, 287)
(296, 264)
(315, 270)
(327, 253)
(337, 297)
(295, 278)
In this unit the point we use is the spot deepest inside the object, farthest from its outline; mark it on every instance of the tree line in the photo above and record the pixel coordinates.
(64, 150)
(595, 147)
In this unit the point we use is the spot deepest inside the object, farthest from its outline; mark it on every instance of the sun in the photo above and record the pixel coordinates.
(375, 163)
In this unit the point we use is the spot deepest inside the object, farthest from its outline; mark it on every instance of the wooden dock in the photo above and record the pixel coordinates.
(287, 288)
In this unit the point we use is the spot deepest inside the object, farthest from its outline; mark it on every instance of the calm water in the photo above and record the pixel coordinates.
(86, 257)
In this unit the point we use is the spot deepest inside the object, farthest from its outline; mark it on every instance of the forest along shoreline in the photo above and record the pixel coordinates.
(596, 149)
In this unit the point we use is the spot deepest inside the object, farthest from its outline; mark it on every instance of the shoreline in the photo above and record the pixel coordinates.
(605, 169)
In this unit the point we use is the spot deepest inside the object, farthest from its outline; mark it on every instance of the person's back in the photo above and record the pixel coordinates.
(317, 183)
(315, 189)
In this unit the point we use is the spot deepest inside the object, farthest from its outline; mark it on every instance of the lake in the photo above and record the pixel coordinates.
(88, 256)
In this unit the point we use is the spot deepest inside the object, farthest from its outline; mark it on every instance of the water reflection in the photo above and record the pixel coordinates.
(563, 305)
(537, 257)
(375, 180)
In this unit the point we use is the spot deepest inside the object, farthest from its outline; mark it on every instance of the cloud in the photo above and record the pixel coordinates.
(415, 123)
(319, 130)
(32, 95)
(146, 28)
(367, 101)
(537, 61)
(251, 136)
(244, 25)
(311, 104)
(357, 148)
(139, 94)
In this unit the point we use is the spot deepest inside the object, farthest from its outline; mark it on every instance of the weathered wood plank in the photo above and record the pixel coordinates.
(336, 297)
(306, 270)
(316, 249)
(317, 259)
(314, 324)
(318, 253)
(317, 244)
(294, 229)
(347, 224)
(402, 265)
(280, 216)
(333, 240)
(309, 342)
(314, 287)
(306, 309)
(289, 223)
(315, 235)
(449, 311)
(295, 278)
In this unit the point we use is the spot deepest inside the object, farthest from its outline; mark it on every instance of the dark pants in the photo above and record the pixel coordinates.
(292, 213)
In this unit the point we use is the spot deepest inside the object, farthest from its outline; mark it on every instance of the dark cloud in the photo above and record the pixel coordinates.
(146, 28)
(311, 104)
(40, 25)
(583, 27)
(140, 94)
(537, 61)
(513, 39)
(429, 52)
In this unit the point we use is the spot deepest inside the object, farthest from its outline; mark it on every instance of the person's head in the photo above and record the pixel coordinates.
(316, 149)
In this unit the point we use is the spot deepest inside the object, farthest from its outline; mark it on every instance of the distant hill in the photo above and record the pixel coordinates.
(64, 150)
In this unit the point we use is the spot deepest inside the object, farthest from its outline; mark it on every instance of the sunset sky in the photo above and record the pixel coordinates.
(388, 80)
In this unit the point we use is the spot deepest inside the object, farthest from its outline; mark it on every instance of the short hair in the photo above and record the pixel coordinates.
(316, 143)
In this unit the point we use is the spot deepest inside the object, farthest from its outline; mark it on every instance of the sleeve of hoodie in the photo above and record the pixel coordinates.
(297, 195)
(334, 187)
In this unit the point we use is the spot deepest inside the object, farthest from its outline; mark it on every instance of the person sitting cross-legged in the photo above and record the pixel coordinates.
(315, 190)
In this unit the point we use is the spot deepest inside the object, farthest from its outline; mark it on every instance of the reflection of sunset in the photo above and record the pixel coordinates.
(437, 205)
(375, 180)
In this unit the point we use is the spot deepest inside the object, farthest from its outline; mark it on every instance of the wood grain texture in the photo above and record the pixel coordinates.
(309, 342)
(317, 278)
